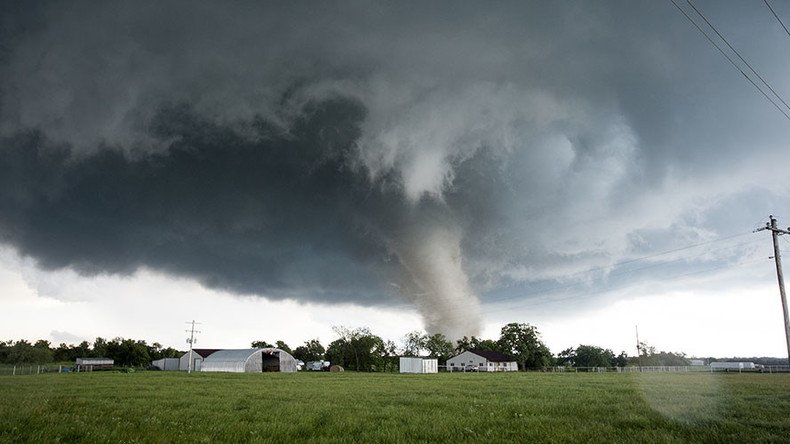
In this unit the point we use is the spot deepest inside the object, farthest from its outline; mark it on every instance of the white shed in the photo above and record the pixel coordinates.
(167, 363)
(418, 365)
(482, 361)
(198, 355)
(249, 360)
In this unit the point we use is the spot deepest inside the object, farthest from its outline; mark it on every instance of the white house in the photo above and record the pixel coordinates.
(482, 361)
(418, 365)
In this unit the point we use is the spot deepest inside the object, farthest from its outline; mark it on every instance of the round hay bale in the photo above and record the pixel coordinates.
(336, 368)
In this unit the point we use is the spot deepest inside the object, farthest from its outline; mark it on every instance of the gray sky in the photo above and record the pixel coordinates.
(451, 166)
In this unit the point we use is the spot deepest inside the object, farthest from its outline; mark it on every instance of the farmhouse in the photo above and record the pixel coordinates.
(418, 365)
(198, 355)
(249, 360)
(483, 361)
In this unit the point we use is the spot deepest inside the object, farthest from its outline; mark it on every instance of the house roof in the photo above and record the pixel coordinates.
(493, 356)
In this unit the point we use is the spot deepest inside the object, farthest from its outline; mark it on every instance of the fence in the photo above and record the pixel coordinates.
(630, 369)
(31, 369)
(670, 369)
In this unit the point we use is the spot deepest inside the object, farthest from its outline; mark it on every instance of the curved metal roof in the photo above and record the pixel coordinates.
(232, 355)
(246, 360)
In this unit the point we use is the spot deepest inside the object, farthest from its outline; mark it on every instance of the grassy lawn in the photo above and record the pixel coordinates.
(356, 407)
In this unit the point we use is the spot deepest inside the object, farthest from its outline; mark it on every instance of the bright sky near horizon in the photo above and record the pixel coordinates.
(273, 170)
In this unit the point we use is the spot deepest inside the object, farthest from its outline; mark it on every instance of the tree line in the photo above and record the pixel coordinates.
(360, 349)
(125, 352)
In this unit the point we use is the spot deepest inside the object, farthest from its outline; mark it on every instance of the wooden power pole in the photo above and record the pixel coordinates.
(775, 233)
(191, 340)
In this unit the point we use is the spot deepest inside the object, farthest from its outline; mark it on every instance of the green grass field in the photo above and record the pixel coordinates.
(356, 407)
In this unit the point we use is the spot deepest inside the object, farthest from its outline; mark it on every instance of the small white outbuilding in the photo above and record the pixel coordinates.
(167, 364)
(418, 365)
(197, 355)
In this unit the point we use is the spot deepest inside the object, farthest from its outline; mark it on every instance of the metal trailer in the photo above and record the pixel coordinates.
(318, 366)
(90, 364)
(723, 365)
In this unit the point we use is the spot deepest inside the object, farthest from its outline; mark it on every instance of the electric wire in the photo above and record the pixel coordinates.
(729, 59)
(588, 294)
(625, 273)
(630, 272)
(542, 291)
(738, 54)
(777, 17)
(576, 283)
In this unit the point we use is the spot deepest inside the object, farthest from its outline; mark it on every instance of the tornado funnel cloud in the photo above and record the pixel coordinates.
(436, 282)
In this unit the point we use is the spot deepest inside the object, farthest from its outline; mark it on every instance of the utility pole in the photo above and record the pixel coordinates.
(775, 233)
(191, 340)
(638, 349)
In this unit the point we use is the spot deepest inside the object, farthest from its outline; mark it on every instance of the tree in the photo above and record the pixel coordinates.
(312, 350)
(475, 343)
(592, 356)
(128, 352)
(464, 344)
(156, 351)
(357, 349)
(522, 341)
(5, 349)
(99, 348)
(390, 356)
(414, 343)
(42, 354)
(261, 344)
(283, 346)
(439, 347)
(567, 357)
(649, 357)
(621, 360)
(21, 353)
(488, 345)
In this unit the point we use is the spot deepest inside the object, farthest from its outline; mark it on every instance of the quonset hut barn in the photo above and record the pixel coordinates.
(249, 360)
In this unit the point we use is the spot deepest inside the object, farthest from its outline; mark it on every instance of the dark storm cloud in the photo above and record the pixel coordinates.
(262, 214)
(343, 152)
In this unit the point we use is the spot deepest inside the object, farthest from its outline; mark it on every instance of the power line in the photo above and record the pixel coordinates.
(529, 296)
(737, 53)
(622, 272)
(729, 59)
(777, 17)
(573, 297)
(570, 285)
